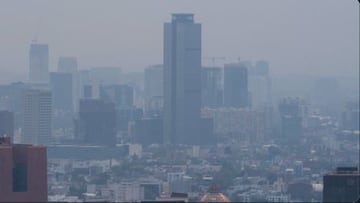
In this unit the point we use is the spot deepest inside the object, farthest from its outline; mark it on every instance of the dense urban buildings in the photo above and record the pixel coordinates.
(236, 93)
(37, 117)
(23, 176)
(39, 63)
(182, 80)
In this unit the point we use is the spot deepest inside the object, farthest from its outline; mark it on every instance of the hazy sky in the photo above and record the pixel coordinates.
(311, 37)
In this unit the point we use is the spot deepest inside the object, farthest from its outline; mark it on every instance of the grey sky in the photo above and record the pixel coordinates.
(310, 37)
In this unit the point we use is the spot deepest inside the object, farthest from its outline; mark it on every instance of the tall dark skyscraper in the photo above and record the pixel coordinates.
(39, 63)
(236, 93)
(182, 80)
(211, 87)
(97, 122)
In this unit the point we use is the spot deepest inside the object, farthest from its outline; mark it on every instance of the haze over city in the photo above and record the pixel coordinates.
(296, 37)
(179, 101)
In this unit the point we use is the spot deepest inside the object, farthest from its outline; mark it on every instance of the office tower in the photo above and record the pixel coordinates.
(39, 63)
(260, 85)
(121, 95)
(211, 87)
(342, 185)
(37, 117)
(13, 94)
(70, 65)
(236, 85)
(97, 122)
(182, 80)
(153, 88)
(67, 65)
(23, 176)
(61, 85)
(148, 131)
(292, 112)
(6, 123)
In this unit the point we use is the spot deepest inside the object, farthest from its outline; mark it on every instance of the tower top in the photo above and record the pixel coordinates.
(182, 17)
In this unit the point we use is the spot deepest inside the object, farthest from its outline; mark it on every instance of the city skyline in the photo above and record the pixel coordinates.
(308, 31)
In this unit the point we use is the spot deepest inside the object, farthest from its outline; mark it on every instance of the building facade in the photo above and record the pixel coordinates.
(23, 176)
(37, 116)
(182, 80)
(39, 63)
(236, 93)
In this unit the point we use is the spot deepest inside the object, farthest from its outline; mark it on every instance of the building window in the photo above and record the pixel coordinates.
(19, 178)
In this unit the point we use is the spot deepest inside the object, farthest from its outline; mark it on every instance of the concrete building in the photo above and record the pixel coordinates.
(96, 123)
(342, 186)
(121, 95)
(61, 85)
(236, 93)
(37, 117)
(211, 87)
(182, 80)
(153, 88)
(23, 176)
(39, 63)
(260, 85)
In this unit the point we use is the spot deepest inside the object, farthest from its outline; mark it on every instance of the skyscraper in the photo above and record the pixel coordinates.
(6, 123)
(97, 122)
(182, 80)
(211, 87)
(153, 89)
(39, 63)
(260, 85)
(37, 116)
(62, 91)
(236, 85)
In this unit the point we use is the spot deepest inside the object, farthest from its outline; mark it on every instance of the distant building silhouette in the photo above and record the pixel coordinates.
(96, 124)
(153, 89)
(23, 176)
(39, 63)
(260, 85)
(211, 87)
(61, 85)
(182, 80)
(121, 95)
(236, 93)
(37, 116)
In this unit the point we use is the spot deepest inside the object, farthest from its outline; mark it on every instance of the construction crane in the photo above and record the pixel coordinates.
(214, 59)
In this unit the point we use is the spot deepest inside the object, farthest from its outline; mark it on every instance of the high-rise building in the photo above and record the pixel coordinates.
(260, 85)
(23, 176)
(292, 112)
(342, 186)
(148, 131)
(154, 81)
(61, 85)
(70, 65)
(6, 123)
(39, 63)
(97, 122)
(153, 88)
(182, 80)
(236, 93)
(37, 117)
(121, 95)
(211, 87)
